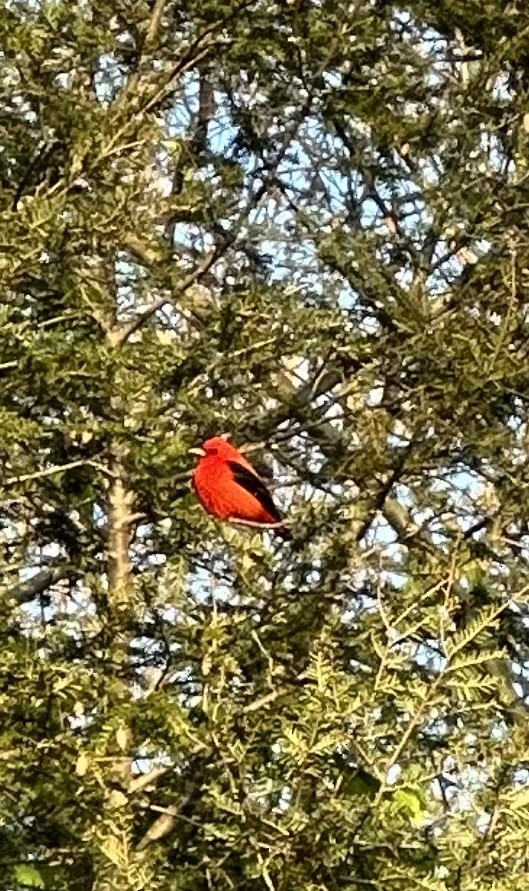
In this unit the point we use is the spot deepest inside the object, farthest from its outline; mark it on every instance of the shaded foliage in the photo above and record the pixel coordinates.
(305, 224)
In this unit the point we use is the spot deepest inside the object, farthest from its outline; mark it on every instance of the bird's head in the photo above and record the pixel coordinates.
(216, 447)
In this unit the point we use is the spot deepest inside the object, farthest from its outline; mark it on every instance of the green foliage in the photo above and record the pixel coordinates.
(304, 223)
(28, 876)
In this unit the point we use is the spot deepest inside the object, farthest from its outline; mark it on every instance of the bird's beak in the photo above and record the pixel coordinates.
(197, 451)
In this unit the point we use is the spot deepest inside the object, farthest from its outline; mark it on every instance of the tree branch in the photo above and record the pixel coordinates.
(28, 590)
(119, 526)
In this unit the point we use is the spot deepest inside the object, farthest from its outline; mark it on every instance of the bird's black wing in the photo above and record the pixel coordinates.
(251, 482)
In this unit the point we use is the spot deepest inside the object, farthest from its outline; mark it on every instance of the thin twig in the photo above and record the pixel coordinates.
(57, 468)
(263, 700)
(49, 471)
(255, 525)
(122, 335)
(137, 784)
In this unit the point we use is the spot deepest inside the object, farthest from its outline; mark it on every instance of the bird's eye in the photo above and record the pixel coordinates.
(213, 451)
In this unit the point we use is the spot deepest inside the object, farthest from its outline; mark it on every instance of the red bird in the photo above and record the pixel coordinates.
(229, 488)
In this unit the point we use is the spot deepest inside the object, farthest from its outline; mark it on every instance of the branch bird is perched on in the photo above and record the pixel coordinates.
(228, 487)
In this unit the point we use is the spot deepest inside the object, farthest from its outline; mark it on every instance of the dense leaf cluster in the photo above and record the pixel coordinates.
(305, 223)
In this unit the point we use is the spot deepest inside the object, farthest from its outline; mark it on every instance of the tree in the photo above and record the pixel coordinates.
(304, 224)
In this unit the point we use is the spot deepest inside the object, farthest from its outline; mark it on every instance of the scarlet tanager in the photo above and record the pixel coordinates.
(229, 488)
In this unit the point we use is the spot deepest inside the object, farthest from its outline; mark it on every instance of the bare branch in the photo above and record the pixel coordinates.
(198, 50)
(122, 334)
(119, 526)
(138, 784)
(28, 590)
(162, 826)
(49, 471)
(264, 526)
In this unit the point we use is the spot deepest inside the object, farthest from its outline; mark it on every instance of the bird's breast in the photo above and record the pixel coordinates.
(214, 487)
(221, 495)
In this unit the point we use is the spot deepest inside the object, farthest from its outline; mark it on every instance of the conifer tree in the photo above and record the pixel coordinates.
(303, 223)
